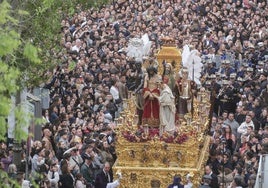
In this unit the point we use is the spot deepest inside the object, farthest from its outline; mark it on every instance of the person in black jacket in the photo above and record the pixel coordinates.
(66, 179)
(214, 179)
(103, 177)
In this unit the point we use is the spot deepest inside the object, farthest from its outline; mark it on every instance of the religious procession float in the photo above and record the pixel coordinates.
(150, 157)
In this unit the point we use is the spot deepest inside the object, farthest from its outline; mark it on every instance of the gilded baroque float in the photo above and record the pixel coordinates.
(147, 160)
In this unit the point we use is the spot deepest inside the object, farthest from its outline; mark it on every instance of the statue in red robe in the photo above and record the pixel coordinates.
(150, 93)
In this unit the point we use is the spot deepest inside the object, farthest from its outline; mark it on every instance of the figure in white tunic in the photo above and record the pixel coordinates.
(167, 109)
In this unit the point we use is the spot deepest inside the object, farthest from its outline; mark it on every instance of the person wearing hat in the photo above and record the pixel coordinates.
(226, 97)
(233, 75)
(249, 69)
(210, 68)
(260, 66)
(213, 86)
(76, 160)
(240, 80)
(233, 81)
(235, 87)
(227, 69)
(90, 151)
(212, 77)
(248, 74)
(87, 170)
(219, 98)
(65, 159)
(218, 78)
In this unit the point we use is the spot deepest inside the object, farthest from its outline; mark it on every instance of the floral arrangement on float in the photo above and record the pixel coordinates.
(144, 134)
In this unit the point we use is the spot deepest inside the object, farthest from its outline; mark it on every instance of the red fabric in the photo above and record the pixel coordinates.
(150, 114)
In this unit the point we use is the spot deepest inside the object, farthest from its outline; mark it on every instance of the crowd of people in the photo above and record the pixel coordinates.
(95, 74)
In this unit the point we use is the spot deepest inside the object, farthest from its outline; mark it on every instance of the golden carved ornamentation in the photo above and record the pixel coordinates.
(171, 54)
(153, 162)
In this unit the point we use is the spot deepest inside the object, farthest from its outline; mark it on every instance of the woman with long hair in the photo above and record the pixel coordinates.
(264, 117)
(66, 179)
(230, 138)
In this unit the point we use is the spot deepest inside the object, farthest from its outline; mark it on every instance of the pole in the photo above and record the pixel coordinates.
(17, 152)
(212, 101)
(192, 102)
(222, 173)
(193, 71)
(28, 147)
(17, 143)
(223, 142)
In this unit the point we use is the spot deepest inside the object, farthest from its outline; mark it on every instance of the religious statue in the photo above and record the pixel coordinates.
(139, 81)
(167, 109)
(168, 75)
(184, 91)
(150, 92)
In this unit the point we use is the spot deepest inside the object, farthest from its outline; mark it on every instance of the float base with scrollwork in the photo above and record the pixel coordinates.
(146, 159)
(154, 164)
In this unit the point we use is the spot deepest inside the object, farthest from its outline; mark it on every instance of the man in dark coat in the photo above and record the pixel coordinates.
(87, 171)
(103, 177)
(214, 178)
